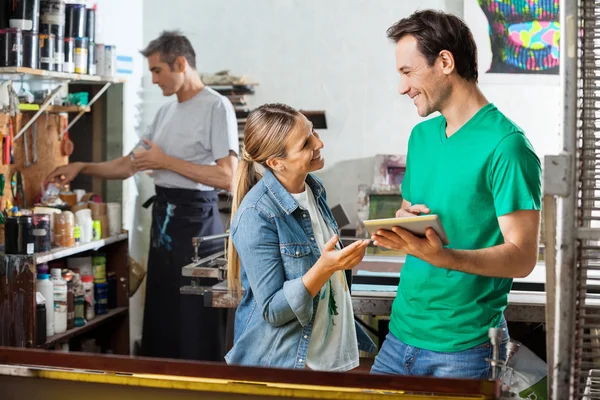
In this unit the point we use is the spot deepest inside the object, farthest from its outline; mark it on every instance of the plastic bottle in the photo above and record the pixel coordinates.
(67, 275)
(60, 301)
(88, 296)
(46, 288)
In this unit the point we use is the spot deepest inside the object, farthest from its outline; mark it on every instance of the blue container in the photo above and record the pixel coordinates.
(101, 298)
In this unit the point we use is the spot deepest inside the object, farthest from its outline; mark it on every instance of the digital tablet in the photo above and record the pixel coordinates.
(416, 225)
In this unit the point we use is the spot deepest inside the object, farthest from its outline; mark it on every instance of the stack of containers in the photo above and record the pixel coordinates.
(52, 37)
(77, 42)
(25, 18)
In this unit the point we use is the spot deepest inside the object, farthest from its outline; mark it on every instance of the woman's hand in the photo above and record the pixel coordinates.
(346, 258)
(332, 260)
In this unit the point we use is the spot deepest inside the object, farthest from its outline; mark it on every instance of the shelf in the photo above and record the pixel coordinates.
(30, 74)
(94, 323)
(58, 109)
(62, 252)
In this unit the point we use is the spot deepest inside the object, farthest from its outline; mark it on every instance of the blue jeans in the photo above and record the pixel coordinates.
(398, 358)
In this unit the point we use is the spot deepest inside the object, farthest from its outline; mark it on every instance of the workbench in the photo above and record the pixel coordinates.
(526, 302)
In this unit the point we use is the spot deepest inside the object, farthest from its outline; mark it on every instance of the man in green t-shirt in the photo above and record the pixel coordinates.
(474, 168)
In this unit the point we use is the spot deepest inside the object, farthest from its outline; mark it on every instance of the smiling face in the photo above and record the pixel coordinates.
(303, 150)
(428, 86)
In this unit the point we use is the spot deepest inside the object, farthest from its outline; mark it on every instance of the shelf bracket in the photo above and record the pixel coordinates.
(47, 101)
(96, 97)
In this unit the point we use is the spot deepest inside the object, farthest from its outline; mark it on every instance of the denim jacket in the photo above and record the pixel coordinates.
(274, 239)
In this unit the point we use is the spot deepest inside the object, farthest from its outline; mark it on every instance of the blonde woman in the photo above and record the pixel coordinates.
(296, 310)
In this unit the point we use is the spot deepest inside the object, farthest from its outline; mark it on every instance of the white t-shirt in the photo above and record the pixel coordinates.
(200, 130)
(333, 345)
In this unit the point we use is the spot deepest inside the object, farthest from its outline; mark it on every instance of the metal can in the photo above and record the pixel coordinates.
(11, 48)
(110, 60)
(47, 47)
(31, 50)
(69, 52)
(81, 55)
(100, 59)
(59, 54)
(92, 58)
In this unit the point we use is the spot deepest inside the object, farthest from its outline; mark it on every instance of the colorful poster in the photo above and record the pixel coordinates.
(523, 36)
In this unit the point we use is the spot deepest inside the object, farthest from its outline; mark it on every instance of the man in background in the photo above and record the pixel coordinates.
(191, 149)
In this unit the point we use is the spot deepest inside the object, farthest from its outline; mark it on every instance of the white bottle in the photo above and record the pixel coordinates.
(60, 301)
(46, 288)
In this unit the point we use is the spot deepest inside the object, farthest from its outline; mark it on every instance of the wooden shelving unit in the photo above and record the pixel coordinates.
(18, 288)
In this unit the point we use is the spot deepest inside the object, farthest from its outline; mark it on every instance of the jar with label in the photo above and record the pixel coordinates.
(63, 229)
(99, 266)
(100, 296)
(60, 301)
(41, 233)
(88, 296)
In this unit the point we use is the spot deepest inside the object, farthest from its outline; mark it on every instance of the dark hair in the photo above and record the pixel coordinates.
(170, 45)
(436, 31)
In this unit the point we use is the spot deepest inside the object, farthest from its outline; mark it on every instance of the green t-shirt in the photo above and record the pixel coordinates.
(485, 170)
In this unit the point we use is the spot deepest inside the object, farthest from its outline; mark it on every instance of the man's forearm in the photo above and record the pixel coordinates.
(119, 168)
(209, 175)
(505, 261)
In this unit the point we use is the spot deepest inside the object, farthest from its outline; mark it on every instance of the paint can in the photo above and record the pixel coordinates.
(59, 53)
(31, 49)
(99, 59)
(25, 239)
(110, 60)
(69, 55)
(11, 236)
(47, 46)
(92, 58)
(75, 20)
(25, 15)
(81, 55)
(91, 24)
(11, 47)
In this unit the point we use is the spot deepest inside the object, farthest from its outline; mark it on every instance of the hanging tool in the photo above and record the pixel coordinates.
(18, 189)
(27, 163)
(2, 204)
(67, 144)
(34, 134)
(11, 142)
(6, 145)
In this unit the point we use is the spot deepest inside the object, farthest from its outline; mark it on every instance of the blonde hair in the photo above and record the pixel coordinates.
(265, 135)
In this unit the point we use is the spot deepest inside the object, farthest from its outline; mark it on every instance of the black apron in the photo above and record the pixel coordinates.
(176, 325)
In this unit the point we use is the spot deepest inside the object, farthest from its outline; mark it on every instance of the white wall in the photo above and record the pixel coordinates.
(333, 55)
(120, 24)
